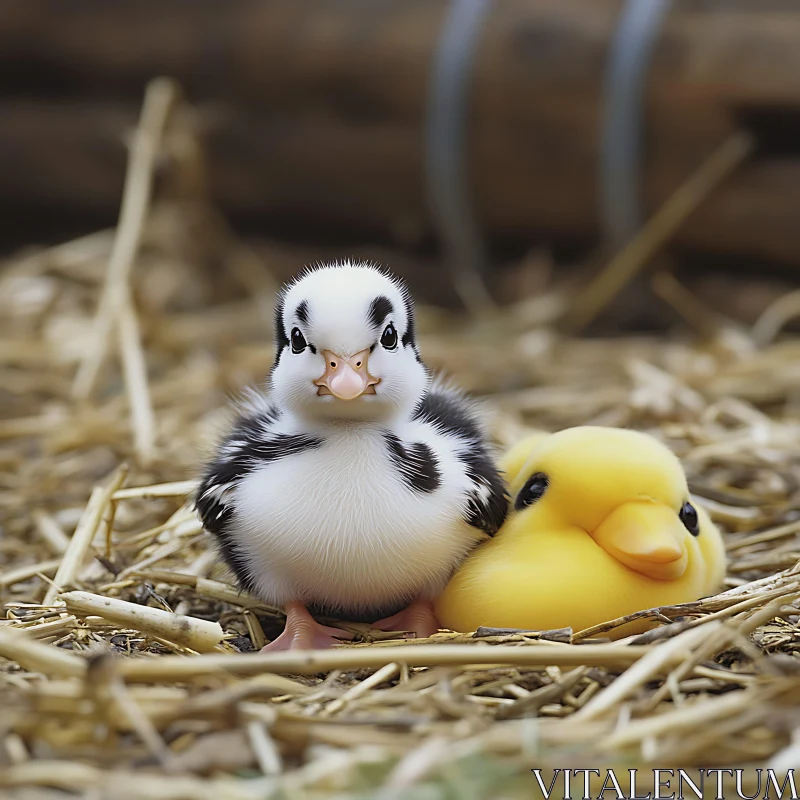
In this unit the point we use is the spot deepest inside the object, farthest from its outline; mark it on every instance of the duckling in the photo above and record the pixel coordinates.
(602, 526)
(357, 484)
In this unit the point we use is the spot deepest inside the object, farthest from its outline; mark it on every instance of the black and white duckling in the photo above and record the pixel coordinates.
(357, 485)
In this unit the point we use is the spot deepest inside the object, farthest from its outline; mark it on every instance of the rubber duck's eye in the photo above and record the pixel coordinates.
(688, 515)
(298, 341)
(389, 337)
(533, 489)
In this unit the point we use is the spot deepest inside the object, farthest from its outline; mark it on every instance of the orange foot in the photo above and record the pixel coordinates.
(419, 618)
(303, 632)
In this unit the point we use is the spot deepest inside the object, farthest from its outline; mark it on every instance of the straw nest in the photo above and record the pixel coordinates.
(125, 668)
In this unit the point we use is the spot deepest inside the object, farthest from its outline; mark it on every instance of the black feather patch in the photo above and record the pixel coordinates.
(380, 308)
(281, 339)
(249, 445)
(448, 414)
(233, 557)
(409, 337)
(279, 445)
(216, 512)
(487, 503)
(416, 464)
(486, 510)
(302, 312)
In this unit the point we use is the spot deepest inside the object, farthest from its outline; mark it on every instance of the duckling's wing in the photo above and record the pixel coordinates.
(454, 417)
(253, 441)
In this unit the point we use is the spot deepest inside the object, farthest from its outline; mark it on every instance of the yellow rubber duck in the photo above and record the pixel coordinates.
(601, 526)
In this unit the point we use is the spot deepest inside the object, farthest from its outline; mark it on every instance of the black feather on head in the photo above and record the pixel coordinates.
(380, 308)
(281, 338)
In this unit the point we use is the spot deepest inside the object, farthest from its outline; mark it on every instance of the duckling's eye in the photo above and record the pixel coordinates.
(533, 489)
(389, 337)
(688, 515)
(298, 341)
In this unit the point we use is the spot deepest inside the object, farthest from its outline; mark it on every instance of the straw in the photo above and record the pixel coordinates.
(657, 230)
(198, 634)
(81, 540)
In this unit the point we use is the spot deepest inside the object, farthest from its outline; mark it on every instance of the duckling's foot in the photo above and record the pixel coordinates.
(303, 632)
(419, 618)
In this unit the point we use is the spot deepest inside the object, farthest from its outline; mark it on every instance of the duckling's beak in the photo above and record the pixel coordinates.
(346, 378)
(647, 537)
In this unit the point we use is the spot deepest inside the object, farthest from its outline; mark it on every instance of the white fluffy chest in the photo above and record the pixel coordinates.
(337, 526)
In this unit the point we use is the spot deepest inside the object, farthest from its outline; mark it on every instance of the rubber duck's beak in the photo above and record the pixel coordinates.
(346, 378)
(647, 537)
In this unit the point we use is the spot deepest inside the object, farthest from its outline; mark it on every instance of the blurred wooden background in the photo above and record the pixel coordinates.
(313, 116)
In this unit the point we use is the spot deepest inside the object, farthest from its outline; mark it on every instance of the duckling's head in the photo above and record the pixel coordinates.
(625, 489)
(346, 347)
